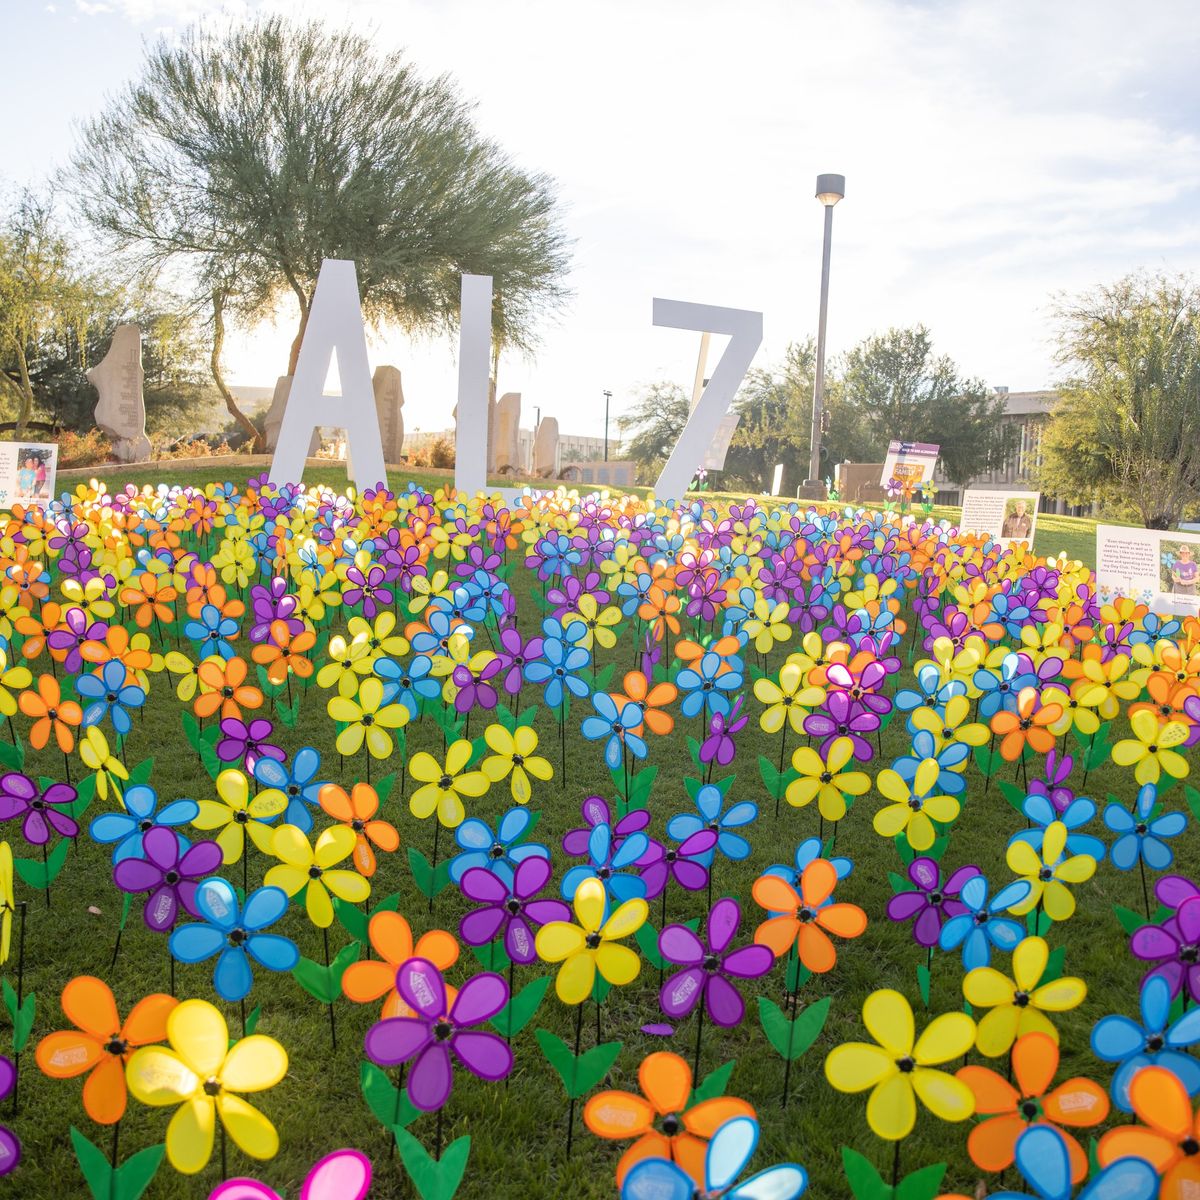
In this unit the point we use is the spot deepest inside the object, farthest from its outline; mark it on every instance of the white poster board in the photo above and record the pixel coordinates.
(1004, 516)
(27, 472)
(1158, 567)
(911, 462)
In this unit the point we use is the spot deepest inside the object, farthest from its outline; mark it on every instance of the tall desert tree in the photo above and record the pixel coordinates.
(1126, 430)
(241, 158)
(651, 426)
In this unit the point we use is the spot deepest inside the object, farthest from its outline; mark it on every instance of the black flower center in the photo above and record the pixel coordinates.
(592, 941)
(1189, 954)
(512, 905)
(171, 877)
(444, 783)
(1045, 874)
(212, 1086)
(804, 915)
(826, 777)
(1190, 1146)
(314, 872)
(906, 1064)
(237, 937)
(143, 826)
(711, 962)
(1021, 999)
(1155, 1042)
(442, 1029)
(1030, 1109)
(670, 1125)
(116, 1047)
(241, 816)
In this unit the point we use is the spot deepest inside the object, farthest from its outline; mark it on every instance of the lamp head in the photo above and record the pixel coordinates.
(830, 189)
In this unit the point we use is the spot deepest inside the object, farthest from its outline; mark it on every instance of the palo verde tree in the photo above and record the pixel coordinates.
(241, 158)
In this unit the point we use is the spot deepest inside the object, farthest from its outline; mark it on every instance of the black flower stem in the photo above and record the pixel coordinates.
(224, 1155)
(437, 829)
(115, 1143)
(332, 1016)
(699, 1034)
(1145, 889)
(21, 993)
(438, 1135)
(46, 871)
(597, 1019)
(987, 782)
(571, 1107)
(171, 960)
(896, 1163)
(396, 1111)
(242, 1004)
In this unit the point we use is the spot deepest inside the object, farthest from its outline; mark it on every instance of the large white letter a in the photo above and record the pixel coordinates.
(335, 325)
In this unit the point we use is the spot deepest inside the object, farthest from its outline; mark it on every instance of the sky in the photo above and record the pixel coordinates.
(996, 155)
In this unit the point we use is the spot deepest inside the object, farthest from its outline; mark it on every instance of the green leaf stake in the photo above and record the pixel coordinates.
(389, 1103)
(792, 1038)
(105, 1180)
(521, 1009)
(40, 875)
(434, 1178)
(578, 1072)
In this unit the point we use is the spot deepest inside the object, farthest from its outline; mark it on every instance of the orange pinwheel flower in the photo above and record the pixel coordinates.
(659, 608)
(28, 577)
(149, 599)
(1166, 698)
(1011, 1110)
(283, 653)
(118, 644)
(358, 811)
(38, 628)
(227, 689)
(1167, 1140)
(205, 587)
(660, 1118)
(50, 713)
(653, 701)
(1026, 726)
(100, 1043)
(391, 937)
(801, 920)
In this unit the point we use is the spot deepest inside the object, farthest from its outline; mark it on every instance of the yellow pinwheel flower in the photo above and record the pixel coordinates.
(349, 662)
(949, 724)
(8, 900)
(12, 679)
(91, 597)
(513, 754)
(309, 867)
(1149, 750)
(236, 813)
(789, 700)
(1019, 1005)
(443, 785)
(188, 673)
(202, 1074)
(381, 637)
(767, 625)
(367, 719)
(593, 944)
(96, 756)
(1048, 873)
(824, 779)
(425, 588)
(598, 622)
(916, 804)
(902, 1068)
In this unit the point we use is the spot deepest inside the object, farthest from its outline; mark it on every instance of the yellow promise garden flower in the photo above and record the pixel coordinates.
(592, 945)
(349, 662)
(1149, 750)
(949, 723)
(380, 637)
(96, 756)
(236, 814)
(901, 1067)
(915, 805)
(513, 752)
(788, 700)
(767, 624)
(368, 719)
(1048, 873)
(201, 1073)
(824, 779)
(8, 900)
(1018, 1005)
(444, 785)
(598, 621)
(309, 867)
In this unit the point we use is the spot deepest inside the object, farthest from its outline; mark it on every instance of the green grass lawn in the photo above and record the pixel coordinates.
(518, 1127)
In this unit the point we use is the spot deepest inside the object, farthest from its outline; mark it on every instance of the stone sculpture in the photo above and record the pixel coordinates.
(121, 409)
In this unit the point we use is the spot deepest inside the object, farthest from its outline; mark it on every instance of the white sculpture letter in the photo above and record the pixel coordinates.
(335, 325)
(474, 364)
(745, 333)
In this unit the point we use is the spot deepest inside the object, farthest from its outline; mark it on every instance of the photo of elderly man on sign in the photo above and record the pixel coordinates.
(1018, 521)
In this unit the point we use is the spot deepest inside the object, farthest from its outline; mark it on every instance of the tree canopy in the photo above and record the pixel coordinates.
(244, 157)
(651, 426)
(1126, 429)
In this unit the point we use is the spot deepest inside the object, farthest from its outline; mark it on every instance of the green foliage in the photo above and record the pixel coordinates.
(651, 426)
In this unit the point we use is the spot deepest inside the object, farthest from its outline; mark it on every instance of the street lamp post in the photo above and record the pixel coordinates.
(830, 189)
(607, 398)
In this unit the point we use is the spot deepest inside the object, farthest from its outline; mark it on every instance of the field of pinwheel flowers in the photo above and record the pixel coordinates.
(593, 832)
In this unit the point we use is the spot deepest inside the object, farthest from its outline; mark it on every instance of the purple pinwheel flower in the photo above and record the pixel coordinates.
(719, 746)
(1173, 890)
(513, 654)
(476, 689)
(10, 1147)
(273, 603)
(840, 716)
(688, 863)
(367, 589)
(706, 968)
(169, 878)
(1054, 784)
(861, 688)
(70, 636)
(595, 812)
(1174, 947)
(40, 811)
(510, 908)
(247, 743)
(933, 903)
(428, 1038)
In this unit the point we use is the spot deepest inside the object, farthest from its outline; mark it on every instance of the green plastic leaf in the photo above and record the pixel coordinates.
(316, 979)
(864, 1180)
(1191, 796)
(134, 1175)
(773, 779)
(85, 794)
(142, 772)
(492, 956)
(1013, 794)
(988, 759)
(647, 940)
(191, 730)
(21, 1018)
(12, 754)
(923, 983)
(792, 1038)
(389, 1104)
(714, 1085)
(901, 883)
(1130, 921)
(344, 957)
(640, 787)
(722, 785)
(351, 918)
(580, 1074)
(604, 678)
(430, 881)
(252, 1019)
(434, 1178)
(41, 875)
(383, 789)
(1054, 965)
(906, 852)
(796, 974)
(1037, 924)
(921, 1185)
(520, 1010)
(94, 1165)
(694, 751)
(1097, 754)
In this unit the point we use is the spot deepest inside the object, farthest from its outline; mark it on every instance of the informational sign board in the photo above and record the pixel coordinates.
(910, 462)
(1005, 516)
(1158, 567)
(27, 472)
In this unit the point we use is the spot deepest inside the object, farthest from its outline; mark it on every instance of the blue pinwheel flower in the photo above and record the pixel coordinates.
(999, 691)
(1041, 811)
(441, 625)
(983, 927)
(930, 691)
(1045, 1164)
(607, 862)
(806, 852)
(212, 632)
(617, 726)
(949, 759)
(709, 801)
(632, 593)
(1154, 629)
(498, 852)
(1141, 833)
(731, 1148)
(237, 934)
(705, 685)
(1012, 612)
(558, 670)
(298, 782)
(408, 683)
(124, 830)
(110, 694)
(1117, 1039)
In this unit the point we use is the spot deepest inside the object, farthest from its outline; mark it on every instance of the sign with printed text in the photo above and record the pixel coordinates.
(27, 472)
(909, 462)
(1005, 516)
(1158, 567)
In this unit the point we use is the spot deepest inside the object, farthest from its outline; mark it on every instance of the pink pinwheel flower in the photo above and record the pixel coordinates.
(342, 1175)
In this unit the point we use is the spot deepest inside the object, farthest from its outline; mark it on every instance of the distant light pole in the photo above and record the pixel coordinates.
(607, 398)
(830, 189)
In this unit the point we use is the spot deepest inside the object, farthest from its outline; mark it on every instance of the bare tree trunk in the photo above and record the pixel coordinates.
(26, 391)
(294, 356)
(214, 362)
